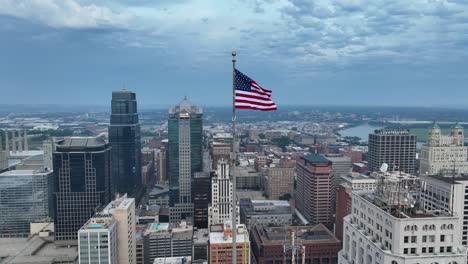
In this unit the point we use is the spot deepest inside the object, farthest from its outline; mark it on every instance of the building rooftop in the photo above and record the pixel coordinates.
(265, 207)
(401, 210)
(201, 236)
(25, 173)
(218, 237)
(449, 178)
(121, 202)
(246, 171)
(304, 234)
(80, 143)
(40, 250)
(316, 158)
(101, 222)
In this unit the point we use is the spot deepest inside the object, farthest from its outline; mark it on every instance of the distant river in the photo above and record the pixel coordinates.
(361, 131)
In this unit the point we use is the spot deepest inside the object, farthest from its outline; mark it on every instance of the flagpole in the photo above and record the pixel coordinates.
(234, 160)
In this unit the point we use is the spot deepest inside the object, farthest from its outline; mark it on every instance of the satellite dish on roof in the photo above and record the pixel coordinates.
(384, 167)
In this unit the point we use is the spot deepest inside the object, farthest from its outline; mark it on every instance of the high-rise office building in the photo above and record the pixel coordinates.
(185, 134)
(444, 152)
(82, 177)
(386, 226)
(220, 209)
(165, 240)
(201, 191)
(396, 147)
(124, 137)
(98, 241)
(315, 189)
(25, 197)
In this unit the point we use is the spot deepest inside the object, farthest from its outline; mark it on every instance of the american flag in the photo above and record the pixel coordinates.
(249, 95)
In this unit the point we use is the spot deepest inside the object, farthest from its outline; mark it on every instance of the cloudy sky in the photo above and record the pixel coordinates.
(352, 52)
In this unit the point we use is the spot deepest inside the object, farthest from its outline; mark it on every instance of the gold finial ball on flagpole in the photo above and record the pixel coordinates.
(234, 53)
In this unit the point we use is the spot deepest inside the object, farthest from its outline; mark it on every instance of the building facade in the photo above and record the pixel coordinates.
(123, 211)
(220, 209)
(220, 244)
(201, 191)
(303, 244)
(315, 189)
(220, 150)
(449, 195)
(82, 183)
(395, 147)
(381, 231)
(168, 240)
(125, 139)
(97, 241)
(25, 197)
(444, 153)
(185, 156)
(278, 181)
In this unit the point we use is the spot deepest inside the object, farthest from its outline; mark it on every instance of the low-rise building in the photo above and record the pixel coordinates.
(265, 213)
(305, 244)
(221, 240)
(168, 240)
(247, 178)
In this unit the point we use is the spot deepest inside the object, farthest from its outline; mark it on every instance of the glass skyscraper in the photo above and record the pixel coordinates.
(82, 182)
(185, 156)
(25, 197)
(124, 137)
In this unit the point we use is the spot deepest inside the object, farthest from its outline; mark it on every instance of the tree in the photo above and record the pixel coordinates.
(285, 197)
(262, 136)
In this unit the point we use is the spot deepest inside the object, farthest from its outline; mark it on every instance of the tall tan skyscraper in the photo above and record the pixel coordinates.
(123, 211)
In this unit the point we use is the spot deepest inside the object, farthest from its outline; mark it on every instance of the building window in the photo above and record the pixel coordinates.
(406, 239)
(413, 250)
(431, 250)
(405, 251)
(413, 239)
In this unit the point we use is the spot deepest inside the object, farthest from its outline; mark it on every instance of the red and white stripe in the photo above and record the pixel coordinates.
(257, 99)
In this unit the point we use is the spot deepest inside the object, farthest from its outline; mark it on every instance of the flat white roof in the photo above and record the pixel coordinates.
(218, 238)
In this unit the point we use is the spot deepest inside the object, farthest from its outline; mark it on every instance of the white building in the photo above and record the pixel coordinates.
(444, 152)
(97, 241)
(436, 195)
(220, 209)
(123, 211)
(359, 181)
(382, 229)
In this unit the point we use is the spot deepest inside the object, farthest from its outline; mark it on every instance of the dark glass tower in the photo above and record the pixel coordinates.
(185, 156)
(124, 137)
(396, 147)
(82, 183)
(201, 192)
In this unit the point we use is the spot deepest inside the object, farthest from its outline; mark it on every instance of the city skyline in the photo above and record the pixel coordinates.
(369, 53)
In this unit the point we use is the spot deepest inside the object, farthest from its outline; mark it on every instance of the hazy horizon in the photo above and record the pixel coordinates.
(345, 52)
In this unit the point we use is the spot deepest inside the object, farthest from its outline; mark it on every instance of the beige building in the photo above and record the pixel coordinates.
(278, 181)
(444, 152)
(123, 210)
(220, 150)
